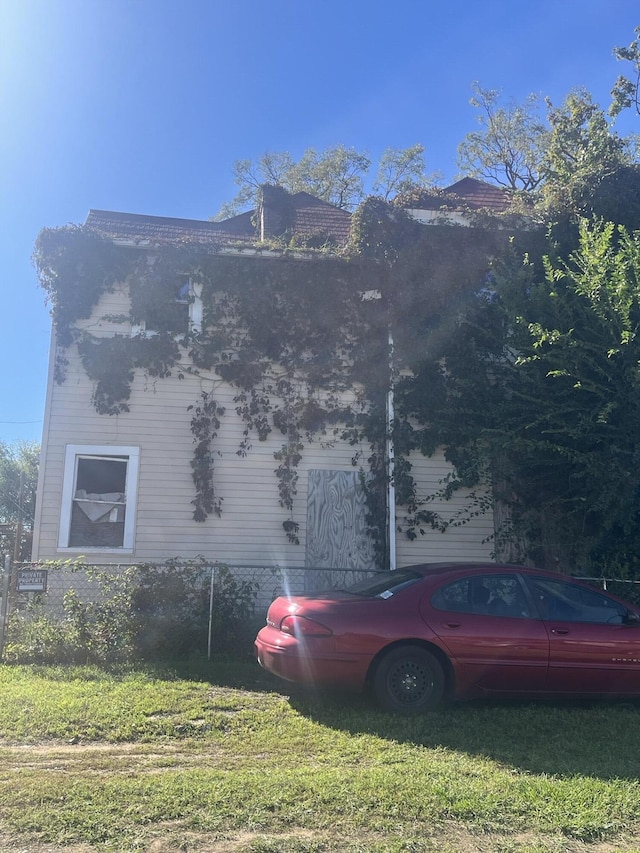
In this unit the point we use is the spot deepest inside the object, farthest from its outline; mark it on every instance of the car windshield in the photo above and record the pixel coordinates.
(383, 585)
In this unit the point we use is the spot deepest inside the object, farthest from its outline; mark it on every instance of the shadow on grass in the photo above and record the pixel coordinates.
(600, 739)
(596, 738)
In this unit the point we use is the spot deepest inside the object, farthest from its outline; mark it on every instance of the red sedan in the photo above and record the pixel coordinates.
(417, 635)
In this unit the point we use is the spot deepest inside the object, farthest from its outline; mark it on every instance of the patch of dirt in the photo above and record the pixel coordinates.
(97, 758)
(451, 839)
(11, 844)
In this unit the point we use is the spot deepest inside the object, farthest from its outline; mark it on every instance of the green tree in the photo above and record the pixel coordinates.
(582, 151)
(566, 155)
(537, 386)
(337, 175)
(401, 170)
(248, 176)
(626, 90)
(18, 482)
(508, 148)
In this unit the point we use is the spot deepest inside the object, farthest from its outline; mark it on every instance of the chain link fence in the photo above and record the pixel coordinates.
(267, 581)
(144, 609)
(71, 610)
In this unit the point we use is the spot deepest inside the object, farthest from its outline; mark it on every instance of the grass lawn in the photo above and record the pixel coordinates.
(219, 757)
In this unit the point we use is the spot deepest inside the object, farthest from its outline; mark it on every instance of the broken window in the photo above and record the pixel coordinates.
(97, 509)
(173, 313)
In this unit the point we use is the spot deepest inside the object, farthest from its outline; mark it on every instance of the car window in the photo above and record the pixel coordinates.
(385, 584)
(570, 602)
(486, 595)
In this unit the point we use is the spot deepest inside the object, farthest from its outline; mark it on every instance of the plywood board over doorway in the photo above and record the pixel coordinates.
(337, 533)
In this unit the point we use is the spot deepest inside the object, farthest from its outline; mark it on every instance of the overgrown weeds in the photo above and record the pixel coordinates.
(141, 612)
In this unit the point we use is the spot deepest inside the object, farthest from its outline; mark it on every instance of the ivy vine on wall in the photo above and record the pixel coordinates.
(303, 337)
(205, 424)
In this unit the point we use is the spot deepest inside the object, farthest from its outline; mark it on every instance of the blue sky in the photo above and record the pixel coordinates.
(144, 105)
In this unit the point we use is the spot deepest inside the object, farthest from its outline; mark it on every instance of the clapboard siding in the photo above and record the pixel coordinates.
(250, 529)
(469, 540)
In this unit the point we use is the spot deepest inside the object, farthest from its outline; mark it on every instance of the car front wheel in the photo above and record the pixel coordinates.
(409, 680)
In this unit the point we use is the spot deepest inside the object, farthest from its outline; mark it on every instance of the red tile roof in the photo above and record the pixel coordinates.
(153, 229)
(299, 215)
(241, 225)
(470, 193)
(312, 216)
(309, 217)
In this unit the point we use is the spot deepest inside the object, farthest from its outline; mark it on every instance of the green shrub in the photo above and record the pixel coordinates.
(143, 612)
(34, 637)
(173, 605)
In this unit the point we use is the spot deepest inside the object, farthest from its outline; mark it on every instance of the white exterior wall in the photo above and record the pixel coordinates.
(461, 542)
(249, 532)
(448, 217)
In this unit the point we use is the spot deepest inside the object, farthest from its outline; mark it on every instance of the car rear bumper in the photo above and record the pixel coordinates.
(310, 661)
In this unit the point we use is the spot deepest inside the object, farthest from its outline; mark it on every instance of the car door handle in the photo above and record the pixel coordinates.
(561, 631)
(451, 624)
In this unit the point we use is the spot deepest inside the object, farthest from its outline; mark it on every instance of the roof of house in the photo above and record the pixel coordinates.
(312, 216)
(153, 229)
(298, 215)
(470, 193)
(306, 217)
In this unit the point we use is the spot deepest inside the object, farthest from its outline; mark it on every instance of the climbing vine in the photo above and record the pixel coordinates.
(205, 424)
(111, 362)
(302, 335)
(76, 267)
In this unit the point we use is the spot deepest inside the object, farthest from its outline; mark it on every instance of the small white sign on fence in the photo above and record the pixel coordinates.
(32, 580)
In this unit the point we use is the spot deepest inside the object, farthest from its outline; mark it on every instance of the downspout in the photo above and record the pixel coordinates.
(391, 492)
(367, 296)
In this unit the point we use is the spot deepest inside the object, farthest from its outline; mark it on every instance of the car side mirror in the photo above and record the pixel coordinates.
(632, 618)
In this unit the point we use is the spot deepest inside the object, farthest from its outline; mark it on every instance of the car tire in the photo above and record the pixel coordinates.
(409, 680)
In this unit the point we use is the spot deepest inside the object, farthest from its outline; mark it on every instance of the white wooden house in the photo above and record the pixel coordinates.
(118, 488)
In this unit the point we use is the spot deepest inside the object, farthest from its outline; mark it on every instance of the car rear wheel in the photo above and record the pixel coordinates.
(409, 680)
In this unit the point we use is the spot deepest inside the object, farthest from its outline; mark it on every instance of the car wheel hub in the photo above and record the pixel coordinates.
(409, 683)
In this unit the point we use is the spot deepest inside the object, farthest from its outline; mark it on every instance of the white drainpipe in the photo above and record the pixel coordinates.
(391, 494)
(366, 296)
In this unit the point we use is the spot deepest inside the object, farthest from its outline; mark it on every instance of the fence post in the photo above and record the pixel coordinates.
(4, 606)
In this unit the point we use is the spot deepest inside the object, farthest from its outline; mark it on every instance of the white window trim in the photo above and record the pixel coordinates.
(196, 311)
(73, 451)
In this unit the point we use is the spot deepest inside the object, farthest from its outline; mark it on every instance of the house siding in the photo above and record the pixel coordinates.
(250, 528)
(466, 539)
(249, 531)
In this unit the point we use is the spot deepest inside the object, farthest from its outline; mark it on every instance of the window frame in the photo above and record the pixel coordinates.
(72, 453)
(195, 312)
